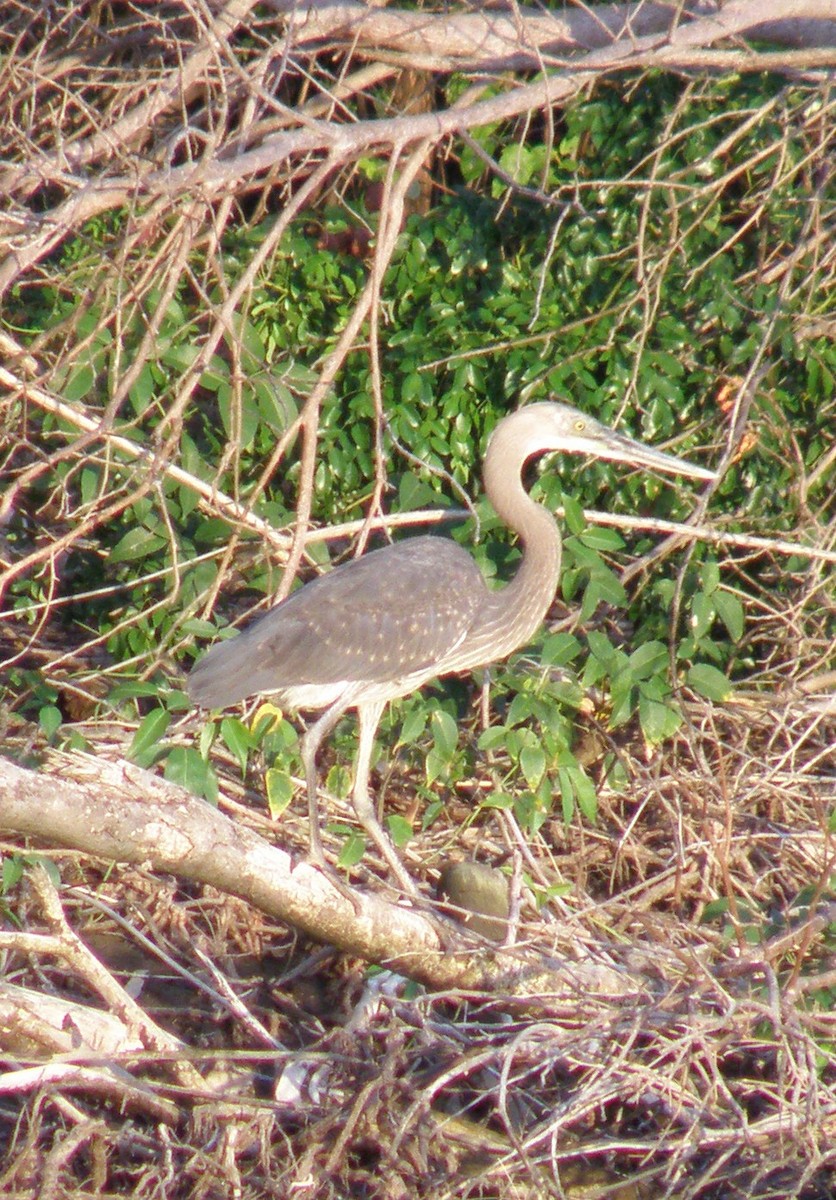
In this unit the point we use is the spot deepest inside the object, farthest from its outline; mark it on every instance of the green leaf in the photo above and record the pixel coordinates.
(585, 794)
(655, 688)
(79, 383)
(553, 892)
(709, 682)
(591, 599)
(207, 738)
(559, 649)
(50, 719)
(575, 520)
(532, 764)
(598, 537)
(48, 864)
(276, 405)
(520, 709)
(582, 556)
(649, 659)
(623, 700)
(179, 355)
(527, 812)
(567, 795)
(353, 850)
(710, 575)
(266, 718)
(137, 543)
(497, 800)
(248, 339)
(143, 390)
(730, 611)
(238, 739)
(279, 787)
(603, 587)
(566, 692)
(184, 766)
(145, 747)
(492, 737)
(445, 734)
(659, 720)
(713, 909)
(602, 649)
(413, 726)
(239, 415)
(519, 162)
(576, 788)
(435, 765)
(704, 611)
(89, 485)
(400, 829)
(338, 780)
(569, 583)
(13, 868)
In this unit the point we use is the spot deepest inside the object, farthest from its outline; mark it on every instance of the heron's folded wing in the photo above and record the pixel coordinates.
(388, 615)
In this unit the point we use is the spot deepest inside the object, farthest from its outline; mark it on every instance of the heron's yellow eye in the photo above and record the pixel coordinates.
(580, 426)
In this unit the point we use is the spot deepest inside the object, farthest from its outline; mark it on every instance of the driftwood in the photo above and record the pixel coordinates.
(117, 811)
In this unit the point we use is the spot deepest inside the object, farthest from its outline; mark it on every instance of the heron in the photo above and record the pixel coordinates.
(380, 626)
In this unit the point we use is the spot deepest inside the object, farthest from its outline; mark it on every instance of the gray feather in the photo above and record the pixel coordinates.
(387, 615)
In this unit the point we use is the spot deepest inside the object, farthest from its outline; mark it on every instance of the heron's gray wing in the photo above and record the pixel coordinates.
(389, 614)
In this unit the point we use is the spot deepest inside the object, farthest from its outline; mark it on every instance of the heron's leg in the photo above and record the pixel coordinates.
(311, 742)
(368, 715)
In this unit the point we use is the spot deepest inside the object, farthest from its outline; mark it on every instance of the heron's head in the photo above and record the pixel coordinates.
(553, 425)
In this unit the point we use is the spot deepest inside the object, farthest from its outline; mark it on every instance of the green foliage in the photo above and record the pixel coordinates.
(353, 848)
(13, 868)
(184, 765)
(275, 739)
(635, 301)
(586, 569)
(187, 766)
(49, 719)
(443, 757)
(717, 619)
(533, 741)
(239, 740)
(400, 830)
(279, 791)
(736, 918)
(145, 747)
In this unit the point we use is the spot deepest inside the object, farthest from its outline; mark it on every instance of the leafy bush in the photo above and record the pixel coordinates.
(635, 275)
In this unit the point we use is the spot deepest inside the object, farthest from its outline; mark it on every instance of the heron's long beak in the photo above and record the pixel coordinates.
(621, 448)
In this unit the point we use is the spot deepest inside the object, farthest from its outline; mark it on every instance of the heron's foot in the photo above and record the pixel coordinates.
(318, 859)
(351, 894)
(390, 856)
(342, 886)
(402, 879)
(364, 808)
(316, 855)
(405, 880)
(405, 885)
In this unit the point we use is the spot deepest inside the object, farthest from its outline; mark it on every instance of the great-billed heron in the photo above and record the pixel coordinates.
(380, 626)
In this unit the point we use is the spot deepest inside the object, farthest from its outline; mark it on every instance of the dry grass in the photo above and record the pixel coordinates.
(711, 880)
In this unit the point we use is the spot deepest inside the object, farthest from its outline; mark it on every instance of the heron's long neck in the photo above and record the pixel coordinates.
(515, 612)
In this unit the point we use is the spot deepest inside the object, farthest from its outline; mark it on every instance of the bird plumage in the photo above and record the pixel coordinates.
(381, 625)
(396, 611)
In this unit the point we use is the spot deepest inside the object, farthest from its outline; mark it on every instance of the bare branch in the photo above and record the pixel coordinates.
(677, 46)
(117, 811)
